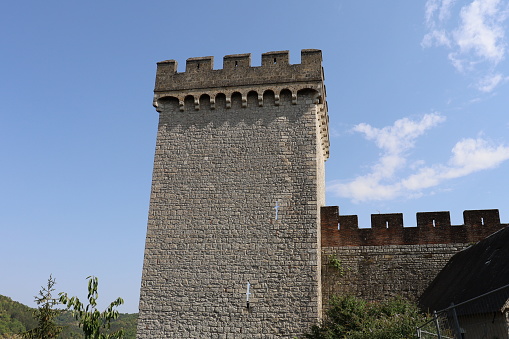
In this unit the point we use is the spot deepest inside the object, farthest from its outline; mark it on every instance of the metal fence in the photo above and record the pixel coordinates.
(482, 317)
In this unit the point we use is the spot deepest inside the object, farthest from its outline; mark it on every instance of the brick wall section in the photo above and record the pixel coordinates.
(224, 157)
(387, 229)
(388, 259)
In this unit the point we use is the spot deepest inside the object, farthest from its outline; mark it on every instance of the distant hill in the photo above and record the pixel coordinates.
(16, 317)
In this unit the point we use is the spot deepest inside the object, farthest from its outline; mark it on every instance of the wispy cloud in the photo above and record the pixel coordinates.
(490, 81)
(396, 140)
(474, 34)
(382, 182)
(438, 11)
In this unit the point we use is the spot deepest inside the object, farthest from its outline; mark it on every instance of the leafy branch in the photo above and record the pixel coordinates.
(94, 323)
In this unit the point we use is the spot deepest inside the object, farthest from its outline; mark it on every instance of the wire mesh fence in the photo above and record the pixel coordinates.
(481, 317)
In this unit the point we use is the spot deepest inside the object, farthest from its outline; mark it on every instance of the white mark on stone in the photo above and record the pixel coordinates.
(248, 293)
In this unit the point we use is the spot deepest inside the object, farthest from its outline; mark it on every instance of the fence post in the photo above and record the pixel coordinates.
(437, 325)
(457, 328)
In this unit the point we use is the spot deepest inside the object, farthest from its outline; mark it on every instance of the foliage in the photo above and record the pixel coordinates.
(45, 314)
(95, 324)
(16, 318)
(126, 322)
(10, 336)
(353, 318)
(336, 263)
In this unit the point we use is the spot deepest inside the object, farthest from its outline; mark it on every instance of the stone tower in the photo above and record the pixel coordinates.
(233, 236)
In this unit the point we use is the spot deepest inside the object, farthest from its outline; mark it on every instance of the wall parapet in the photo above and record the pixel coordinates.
(237, 71)
(387, 229)
(275, 74)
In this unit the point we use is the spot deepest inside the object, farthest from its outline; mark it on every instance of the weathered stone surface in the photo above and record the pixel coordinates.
(379, 272)
(223, 159)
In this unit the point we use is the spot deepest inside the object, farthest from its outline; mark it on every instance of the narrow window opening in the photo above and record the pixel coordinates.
(198, 66)
(482, 221)
(275, 62)
(236, 63)
(434, 223)
(339, 226)
(386, 224)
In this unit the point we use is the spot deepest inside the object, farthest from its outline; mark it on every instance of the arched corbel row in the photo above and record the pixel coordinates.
(317, 98)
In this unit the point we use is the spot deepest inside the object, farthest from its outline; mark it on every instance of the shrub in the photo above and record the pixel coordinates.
(354, 318)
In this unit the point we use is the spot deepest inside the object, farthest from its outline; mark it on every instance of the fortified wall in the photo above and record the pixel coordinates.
(388, 259)
(238, 244)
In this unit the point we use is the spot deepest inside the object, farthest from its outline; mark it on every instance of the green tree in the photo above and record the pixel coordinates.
(45, 314)
(353, 318)
(95, 324)
(15, 317)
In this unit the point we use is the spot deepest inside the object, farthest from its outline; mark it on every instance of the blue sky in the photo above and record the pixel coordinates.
(417, 92)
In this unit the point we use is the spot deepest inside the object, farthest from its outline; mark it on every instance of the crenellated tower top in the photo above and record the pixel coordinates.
(202, 82)
(237, 73)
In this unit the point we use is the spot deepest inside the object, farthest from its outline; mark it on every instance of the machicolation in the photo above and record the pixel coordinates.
(238, 84)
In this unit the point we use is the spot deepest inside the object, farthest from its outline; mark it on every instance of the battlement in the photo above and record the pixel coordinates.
(276, 81)
(387, 229)
(275, 74)
(237, 71)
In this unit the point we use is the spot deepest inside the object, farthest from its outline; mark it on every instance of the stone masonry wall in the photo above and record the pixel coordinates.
(389, 260)
(380, 272)
(223, 162)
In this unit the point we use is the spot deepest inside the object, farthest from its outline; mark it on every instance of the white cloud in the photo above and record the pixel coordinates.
(436, 38)
(436, 13)
(468, 156)
(395, 140)
(401, 135)
(426, 177)
(482, 29)
(489, 82)
(442, 8)
(445, 9)
(472, 155)
(474, 33)
(431, 7)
